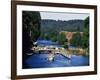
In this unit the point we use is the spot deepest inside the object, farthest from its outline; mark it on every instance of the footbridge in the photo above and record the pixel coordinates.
(52, 51)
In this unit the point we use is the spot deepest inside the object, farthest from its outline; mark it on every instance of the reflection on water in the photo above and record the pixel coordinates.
(41, 61)
(46, 60)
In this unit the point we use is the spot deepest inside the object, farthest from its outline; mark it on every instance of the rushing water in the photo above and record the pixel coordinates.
(41, 60)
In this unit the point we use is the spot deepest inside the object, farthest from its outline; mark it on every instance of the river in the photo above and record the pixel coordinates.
(41, 60)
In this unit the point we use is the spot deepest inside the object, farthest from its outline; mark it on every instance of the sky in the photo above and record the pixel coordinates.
(63, 16)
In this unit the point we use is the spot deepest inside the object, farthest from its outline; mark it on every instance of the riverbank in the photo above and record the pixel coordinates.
(78, 51)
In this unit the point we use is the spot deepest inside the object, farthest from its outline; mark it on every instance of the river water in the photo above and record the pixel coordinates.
(41, 60)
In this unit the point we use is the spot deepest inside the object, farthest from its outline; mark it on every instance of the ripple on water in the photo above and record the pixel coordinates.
(41, 61)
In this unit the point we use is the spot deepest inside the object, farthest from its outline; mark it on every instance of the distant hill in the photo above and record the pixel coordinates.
(53, 25)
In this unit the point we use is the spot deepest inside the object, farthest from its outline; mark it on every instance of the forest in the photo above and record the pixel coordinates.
(50, 30)
(58, 25)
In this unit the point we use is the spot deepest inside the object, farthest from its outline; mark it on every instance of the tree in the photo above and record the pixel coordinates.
(54, 38)
(31, 22)
(31, 28)
(76, 39)
(61, 38)
(85, 38)
(82, 40)
(46, 36)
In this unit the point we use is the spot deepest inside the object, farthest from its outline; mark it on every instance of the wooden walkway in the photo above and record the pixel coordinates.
(53, 51)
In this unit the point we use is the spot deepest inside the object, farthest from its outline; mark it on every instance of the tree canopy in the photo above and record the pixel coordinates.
(85, 39)
(82, 40)
(76, 39)
(30, 27)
